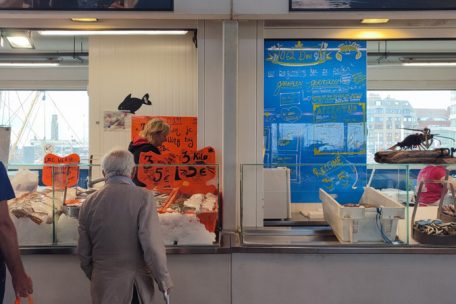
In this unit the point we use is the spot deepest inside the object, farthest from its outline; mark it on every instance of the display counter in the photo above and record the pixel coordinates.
(346, 220)
(338, 206)
(246, 273)
(302, 252)
(48, 198)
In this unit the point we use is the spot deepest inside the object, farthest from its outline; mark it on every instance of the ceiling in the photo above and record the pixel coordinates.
(397, 51)
(67, 50)
(74, 50)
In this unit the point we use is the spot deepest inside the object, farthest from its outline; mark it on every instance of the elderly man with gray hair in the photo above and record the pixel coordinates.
(120, 245)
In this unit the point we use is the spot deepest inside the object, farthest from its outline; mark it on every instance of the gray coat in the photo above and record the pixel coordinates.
(120, 244)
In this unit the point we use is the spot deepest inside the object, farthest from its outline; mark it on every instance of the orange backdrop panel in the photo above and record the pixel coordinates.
(182, 143)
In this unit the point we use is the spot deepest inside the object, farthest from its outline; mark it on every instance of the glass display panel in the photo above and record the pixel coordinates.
(350, 210)
(39, 210)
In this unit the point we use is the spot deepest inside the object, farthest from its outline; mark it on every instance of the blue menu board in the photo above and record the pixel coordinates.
(315, 115)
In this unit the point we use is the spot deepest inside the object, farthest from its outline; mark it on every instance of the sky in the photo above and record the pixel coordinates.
(420, 99)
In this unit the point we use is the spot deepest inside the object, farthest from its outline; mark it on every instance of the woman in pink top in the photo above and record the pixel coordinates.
(431, 191)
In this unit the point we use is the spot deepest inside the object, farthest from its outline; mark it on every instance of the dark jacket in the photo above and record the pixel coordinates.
(136, 147)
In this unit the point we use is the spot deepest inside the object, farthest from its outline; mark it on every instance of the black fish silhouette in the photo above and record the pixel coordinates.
(133, 104)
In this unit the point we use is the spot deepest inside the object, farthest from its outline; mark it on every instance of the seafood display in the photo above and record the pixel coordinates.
(440, 231)
(175, 202)
(435, 227)
(49, 215)
(187, 220)
(33, 213)
(37, 206)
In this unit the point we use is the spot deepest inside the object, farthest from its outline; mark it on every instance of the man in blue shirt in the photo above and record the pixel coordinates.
(9, 251)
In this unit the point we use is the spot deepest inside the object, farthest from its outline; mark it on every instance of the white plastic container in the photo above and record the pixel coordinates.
(360, 224)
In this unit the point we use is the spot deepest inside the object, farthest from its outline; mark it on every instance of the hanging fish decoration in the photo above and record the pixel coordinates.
(132, 104)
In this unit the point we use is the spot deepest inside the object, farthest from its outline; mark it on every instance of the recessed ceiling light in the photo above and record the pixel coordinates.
(110, 32)
(374, 21)
(428, 61)
(84, 19)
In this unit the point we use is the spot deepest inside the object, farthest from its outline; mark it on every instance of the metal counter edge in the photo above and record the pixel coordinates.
(67, 250)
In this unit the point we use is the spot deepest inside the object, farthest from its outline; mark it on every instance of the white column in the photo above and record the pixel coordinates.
(250, 122)
(230, 166)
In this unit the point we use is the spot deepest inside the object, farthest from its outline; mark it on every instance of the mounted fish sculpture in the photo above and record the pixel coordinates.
(132, 104)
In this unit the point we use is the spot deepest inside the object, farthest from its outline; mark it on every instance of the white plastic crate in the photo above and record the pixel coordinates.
(359, 224)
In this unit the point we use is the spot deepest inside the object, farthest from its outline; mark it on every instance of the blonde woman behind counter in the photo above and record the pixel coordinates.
(120, 244)
(150, 139)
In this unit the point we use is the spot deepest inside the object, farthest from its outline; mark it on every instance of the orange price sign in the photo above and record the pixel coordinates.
(192, 178)
(200, 157)
(153, 175)
(61, 176)
(196, 178)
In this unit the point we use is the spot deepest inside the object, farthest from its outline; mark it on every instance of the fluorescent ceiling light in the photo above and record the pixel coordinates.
(374, 21)
(110, 32)
(428, 61)
(429, 64)
(29, 64)
(84, 19)
(19, 42)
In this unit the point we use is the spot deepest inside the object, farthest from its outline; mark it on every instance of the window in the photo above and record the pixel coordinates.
(419, 109)
(45, 122)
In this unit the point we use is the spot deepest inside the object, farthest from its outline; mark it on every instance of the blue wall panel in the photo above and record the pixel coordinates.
(315, 114)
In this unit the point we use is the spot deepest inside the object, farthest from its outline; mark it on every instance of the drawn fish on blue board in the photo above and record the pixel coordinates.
(132, 104)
